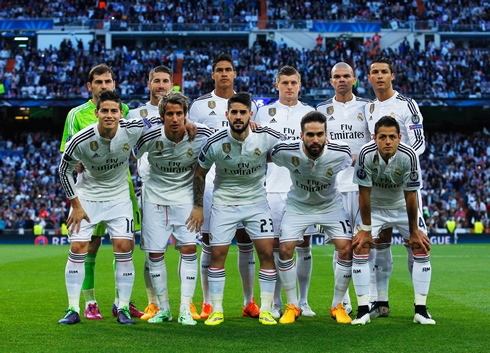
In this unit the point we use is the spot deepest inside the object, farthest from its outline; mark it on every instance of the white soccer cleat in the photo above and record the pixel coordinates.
(276, 311)
(305, 310)
(364, 319)
(423, 319)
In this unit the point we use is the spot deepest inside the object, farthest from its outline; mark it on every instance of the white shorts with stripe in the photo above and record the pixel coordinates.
(117, 215)
(207, 204)
(382, 218)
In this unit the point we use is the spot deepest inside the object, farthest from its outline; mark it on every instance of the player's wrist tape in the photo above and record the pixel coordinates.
(367, 228)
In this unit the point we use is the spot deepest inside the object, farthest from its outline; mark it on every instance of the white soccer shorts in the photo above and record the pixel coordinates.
(160, 222)
(117, 215)
(207, 205)
(277, 204)
(382, 218)
(336, 225)
(256, 219)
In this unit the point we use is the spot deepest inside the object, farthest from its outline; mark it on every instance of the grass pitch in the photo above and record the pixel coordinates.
(33, 297)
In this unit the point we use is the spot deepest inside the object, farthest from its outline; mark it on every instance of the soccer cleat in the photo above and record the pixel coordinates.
(305, 310)
(161, 316)
(194, 313)
(422, 316)
(134, 312)
(361, 319)
(186, 318)
(348, 308)
(340, 315)
(150, 312)
(124, 316)
(276, 311)
(215, 318)
(71, 317)
(207, 309)
(266, 318)
(92, 312)
(290, 315)
(380, 309)
(251, 309)
(114, 310)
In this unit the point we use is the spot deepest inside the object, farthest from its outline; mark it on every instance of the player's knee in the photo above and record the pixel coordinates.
(286, 251)
(345, 252)
(78, 247)
(188, 249)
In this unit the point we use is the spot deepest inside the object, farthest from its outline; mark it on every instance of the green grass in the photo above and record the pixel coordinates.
(33, 297)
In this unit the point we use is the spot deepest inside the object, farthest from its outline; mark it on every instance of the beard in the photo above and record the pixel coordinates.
(315, 153)
(240, 130)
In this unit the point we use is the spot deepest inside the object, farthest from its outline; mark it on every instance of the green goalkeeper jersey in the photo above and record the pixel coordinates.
(80, 117)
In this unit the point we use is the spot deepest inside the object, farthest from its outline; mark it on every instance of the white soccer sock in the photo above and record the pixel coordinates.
(74, 275)
(360, 277)
(346, 298)
(384, 267)
(304, 265)
(124, 277)
(267, 282)
(205, 261)
(287, 274)
(373, 289)
(277, 289)
(152, 297)
(216, 279)
(421, 278)
(409, 258)
(188, 276)
(343, 274)
(246, 267)
(158, 275)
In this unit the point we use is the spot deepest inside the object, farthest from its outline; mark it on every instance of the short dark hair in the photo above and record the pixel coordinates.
(311, 117)
(287, 71)
(241, 97)
(382, 60)
(109, 96)
(223, 57)
(173, 97)
(99, 70)
(386, 121)
(161, 69)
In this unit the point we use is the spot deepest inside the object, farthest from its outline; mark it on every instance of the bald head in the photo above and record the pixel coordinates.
(341, 65)
(342, 80)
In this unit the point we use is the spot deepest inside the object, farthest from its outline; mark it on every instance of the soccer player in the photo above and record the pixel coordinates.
(346, 122)
(284, 115)
(210, 110)
(240, 155)
(388, 174)
(313, 164)
(406, 111)
(101, 194)
(101, 79)
(168, 200)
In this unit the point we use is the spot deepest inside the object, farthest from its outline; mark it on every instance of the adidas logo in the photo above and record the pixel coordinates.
(296, 171)
(273, 121)
(331, 118)
(95, 155)
(227, 158)
(371, 117)
(212, 113)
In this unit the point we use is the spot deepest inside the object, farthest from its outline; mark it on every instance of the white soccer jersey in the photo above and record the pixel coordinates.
(313, 189)
(106, 161)
(286, 120)
(240, 165)
(406, 111)
(172, 165)
(388, 180)
(346, 122)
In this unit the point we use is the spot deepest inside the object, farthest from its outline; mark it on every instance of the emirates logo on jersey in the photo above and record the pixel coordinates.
(94, 146)
(159, 145)
(329, 172)
(330, 110)
(126, 147)
(226, 147)
(212, 104)
(295, 161)
(257, 153)
(371, 108)
(189, 153)
(272, 111)
(143, 113)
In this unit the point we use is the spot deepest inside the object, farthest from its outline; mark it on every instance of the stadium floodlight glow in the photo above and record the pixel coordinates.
(18, 39)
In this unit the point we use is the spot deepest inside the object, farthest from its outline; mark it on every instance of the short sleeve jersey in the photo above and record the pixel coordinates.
(172, 165)
(80, 117)
(240, 165)
(388, 180)
(286, 120)
(406, 111)
(313, 187)
(346, 122)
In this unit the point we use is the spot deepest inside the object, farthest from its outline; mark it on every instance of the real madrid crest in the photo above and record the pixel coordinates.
(189, 153)
(143, 113)
(393, 115)
(257, 153)
(212, 104)
(272, 111)
(226, 147)
(295, 161)
(360, 117)
(159, 146)
(126, 147)
(329, 172)
(398, 172)
(376, 159)
(330, 110)
(371, 108)
(94, 146)
(210, 236)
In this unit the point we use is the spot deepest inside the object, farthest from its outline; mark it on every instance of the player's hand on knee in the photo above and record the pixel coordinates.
(79, 168)
(195, 220)
(75, 219)
(363, 239)
(419, 242)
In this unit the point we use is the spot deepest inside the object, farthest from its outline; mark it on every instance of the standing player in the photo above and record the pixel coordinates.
(100, 79)
(210, 110)
(313, 164)
(406, 111)
(284, 116)
(101, 194)
(168, 200)
(346, 122)
(388, 173)
(240, 155)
